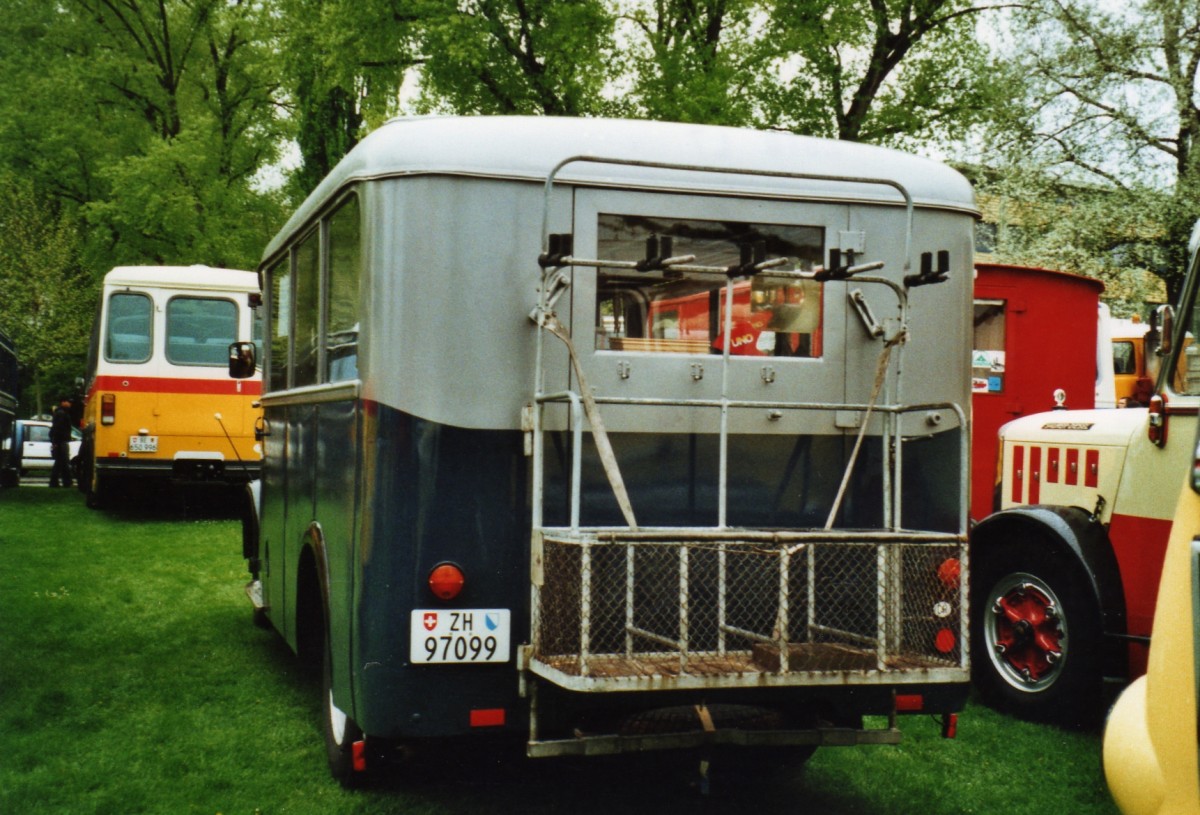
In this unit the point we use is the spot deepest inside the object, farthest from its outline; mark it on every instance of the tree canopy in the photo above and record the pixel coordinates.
(49, 298)
(181, 131)
(1108, 104)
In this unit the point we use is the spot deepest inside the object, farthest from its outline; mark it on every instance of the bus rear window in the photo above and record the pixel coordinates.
(199, 330)
(667, 312)
(128, 335)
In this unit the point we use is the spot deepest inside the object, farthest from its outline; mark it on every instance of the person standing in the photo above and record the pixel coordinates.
(60, 443)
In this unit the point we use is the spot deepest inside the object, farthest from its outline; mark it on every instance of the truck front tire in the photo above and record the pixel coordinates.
(1036, 628)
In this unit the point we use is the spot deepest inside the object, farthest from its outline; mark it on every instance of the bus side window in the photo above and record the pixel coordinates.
(128, 335)
(281, 324)
(308, 311)
(345, 260)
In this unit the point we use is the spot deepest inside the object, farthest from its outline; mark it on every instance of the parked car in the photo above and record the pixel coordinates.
(30, 444)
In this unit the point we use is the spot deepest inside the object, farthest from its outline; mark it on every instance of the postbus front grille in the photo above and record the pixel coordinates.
(747, 610)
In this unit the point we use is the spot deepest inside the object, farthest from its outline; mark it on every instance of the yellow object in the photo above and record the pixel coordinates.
(1150, 740)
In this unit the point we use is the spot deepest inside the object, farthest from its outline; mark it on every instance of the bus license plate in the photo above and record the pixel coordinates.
(143, 444)
(459, 635)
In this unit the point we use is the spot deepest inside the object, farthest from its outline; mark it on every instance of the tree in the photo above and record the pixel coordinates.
(517, 56)
(1109, 101)
(696, 60)
(1091, 230)
(871, 70)
(98, 91)
(343, 65)
(48, 295)
(883, 71)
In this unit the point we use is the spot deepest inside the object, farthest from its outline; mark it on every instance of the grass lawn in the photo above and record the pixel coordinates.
(132, 681)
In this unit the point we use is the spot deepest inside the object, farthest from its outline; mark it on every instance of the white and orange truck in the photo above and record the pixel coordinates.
(1067, 568)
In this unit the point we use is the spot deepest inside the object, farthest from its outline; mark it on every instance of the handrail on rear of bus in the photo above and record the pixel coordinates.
(699, 168)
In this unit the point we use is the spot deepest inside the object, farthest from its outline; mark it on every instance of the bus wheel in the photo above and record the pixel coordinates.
(93, 495)
(1038, 638)
(341, 733)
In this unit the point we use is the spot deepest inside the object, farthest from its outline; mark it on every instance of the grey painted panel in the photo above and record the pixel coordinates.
(530, 147)
(452, 277)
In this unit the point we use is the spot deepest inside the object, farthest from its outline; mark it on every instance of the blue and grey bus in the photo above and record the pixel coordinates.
(608, 436)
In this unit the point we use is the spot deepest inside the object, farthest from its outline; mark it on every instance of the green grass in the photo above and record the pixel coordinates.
(132, 681)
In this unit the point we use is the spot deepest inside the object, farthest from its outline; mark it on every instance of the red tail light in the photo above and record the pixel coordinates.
(446, 581)
(950, 572)
(108, 408)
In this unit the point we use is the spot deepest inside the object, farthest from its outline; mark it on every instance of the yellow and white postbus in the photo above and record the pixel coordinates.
(159, 403)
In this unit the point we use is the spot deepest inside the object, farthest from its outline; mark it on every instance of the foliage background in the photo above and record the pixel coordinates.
(183, 131)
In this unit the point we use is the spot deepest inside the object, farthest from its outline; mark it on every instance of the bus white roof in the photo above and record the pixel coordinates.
(1124, 329)
(528, 148)
(197, 277)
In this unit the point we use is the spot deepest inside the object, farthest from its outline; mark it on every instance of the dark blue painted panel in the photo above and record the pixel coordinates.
(437, 493)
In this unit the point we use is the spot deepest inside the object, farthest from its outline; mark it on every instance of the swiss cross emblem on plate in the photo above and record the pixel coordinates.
(430, 620)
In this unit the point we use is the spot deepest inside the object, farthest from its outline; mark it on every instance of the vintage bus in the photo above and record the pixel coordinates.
(1133, 372)
(159, 403)
(516, 483)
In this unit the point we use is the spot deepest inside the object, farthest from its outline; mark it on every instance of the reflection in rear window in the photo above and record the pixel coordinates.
(669, 312)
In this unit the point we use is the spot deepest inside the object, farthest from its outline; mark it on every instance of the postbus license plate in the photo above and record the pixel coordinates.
(459, 635)
(143, 444)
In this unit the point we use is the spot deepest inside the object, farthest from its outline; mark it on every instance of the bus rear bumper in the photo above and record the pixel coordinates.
(584, 745)
(181, 469)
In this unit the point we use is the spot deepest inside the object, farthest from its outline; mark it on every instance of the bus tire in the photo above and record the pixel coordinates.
(1037, 633)
(340, 730)
(259, 618)
(95, 491)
